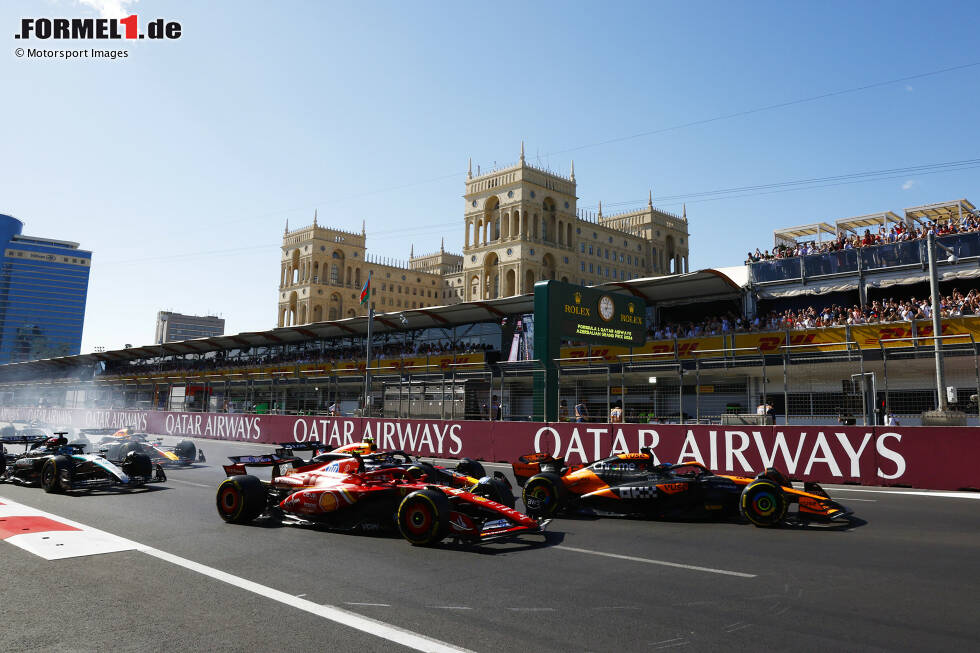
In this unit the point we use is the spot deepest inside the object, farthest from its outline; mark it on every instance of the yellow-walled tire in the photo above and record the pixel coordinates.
(544, 495)
(240, 499)
(423, 517)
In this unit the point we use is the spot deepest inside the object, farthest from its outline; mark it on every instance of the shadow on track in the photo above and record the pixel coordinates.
(519, 542)
(115, 491)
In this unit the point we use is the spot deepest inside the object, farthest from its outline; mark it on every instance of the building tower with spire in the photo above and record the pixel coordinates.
(322, 271)
(522, 224)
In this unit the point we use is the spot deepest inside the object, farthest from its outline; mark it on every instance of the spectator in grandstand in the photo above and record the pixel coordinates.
(899, 232)
(495, 410)
(891, 310)
(581, 411)
(616, 414)
(563, 411)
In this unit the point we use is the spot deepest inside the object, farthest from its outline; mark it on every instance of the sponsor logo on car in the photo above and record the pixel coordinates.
(614, 467)
(635, 492)
(672, 488)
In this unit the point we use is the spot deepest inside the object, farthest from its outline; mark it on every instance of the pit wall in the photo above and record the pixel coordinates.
(921, 457)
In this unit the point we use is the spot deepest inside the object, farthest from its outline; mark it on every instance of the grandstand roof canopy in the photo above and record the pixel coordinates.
(941, 212)
(703, 285)
(867, 221)
(805, 232)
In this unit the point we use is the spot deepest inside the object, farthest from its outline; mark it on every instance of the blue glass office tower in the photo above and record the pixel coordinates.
(43, 286)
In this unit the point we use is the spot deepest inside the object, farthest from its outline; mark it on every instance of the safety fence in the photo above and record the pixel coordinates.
(801, 384)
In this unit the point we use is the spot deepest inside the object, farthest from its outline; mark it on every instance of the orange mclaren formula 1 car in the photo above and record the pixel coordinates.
(633, 484)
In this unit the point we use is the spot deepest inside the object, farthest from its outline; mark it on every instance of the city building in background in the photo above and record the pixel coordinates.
(172, 327)
(43, 288)
(521, 225)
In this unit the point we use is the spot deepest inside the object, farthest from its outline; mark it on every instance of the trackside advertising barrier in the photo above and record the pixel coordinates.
(923, 457)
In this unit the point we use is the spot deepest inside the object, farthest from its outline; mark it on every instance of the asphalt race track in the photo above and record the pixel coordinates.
(906, 580)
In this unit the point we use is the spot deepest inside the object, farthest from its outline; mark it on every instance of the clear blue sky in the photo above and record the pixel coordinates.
(179, 165)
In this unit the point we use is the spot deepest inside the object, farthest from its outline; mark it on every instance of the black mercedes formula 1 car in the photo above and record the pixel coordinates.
(634, 484)
(58, 466)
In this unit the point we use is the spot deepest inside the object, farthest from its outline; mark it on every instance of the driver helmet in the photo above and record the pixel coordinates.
(56, 441)
(369, 441)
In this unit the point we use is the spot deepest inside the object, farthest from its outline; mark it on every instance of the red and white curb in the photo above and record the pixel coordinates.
(53, 537)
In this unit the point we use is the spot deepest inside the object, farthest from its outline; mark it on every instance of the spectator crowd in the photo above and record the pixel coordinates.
(263, 356)
(891, 310)
(897, 233)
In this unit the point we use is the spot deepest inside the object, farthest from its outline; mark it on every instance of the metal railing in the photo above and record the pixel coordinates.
(804, 384)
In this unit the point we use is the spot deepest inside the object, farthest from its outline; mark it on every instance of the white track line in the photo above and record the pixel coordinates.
(344, 617)
(663, 563)
(171, 479)
(367, 625)
(918, 493)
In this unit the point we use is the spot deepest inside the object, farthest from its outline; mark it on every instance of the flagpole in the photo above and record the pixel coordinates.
(367, 366)
(367, 358)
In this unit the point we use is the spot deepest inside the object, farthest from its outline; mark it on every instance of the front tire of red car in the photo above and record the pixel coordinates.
(241, 499)
(423, 517)
(543, 495)
(763, 503)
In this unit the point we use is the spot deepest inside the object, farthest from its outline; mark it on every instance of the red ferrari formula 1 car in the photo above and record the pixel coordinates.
(380, 499)
(634, 484)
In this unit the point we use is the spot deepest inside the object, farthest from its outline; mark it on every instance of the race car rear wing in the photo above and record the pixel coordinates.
(289, 449)
(21, 439)
(240, 463)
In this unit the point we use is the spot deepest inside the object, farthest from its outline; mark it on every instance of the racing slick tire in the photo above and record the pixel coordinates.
(112, 452)
(774, 475)
(126, 447)
(423, 517)
(419, 469)
(763, 503)
(544, 495)
(56, 474)
(240, 499)
(495, 489)
(471, 468)
(137, 463)
(186, 452)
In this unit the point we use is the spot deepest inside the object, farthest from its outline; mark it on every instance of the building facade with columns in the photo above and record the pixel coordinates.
(521, 225)
(323, 270)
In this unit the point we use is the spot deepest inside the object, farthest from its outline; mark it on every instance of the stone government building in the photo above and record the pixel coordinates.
(522, 225)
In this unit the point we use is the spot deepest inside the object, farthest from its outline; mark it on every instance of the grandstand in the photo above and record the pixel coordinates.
(822, 338)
